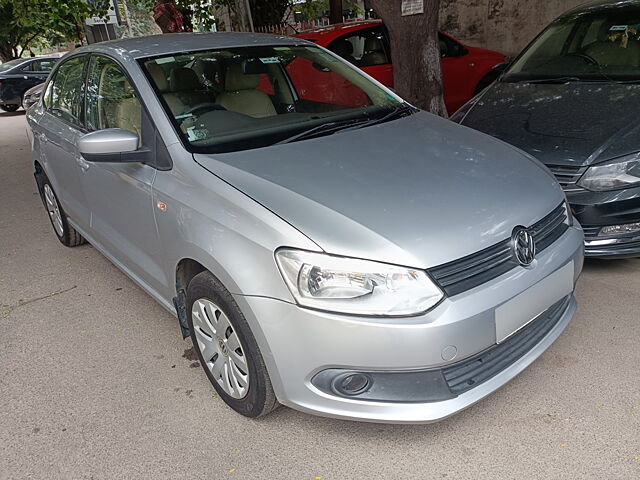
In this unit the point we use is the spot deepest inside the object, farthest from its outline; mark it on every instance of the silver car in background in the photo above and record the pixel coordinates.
(326, 245)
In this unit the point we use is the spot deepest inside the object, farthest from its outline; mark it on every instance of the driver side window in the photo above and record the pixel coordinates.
(111, 100)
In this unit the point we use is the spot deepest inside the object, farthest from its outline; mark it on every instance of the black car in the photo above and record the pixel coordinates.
(18, 76)
(571, 99)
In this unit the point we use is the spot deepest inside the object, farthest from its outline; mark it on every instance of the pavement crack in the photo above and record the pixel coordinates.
(8, 309)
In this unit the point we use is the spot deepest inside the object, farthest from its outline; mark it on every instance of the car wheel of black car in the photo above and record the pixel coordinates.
(227, 349)
(9, 108)
(67, 235)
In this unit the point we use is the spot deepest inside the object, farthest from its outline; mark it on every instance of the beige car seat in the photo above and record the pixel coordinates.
(241, 94)
(185, 86)
(128, 112)
(162, 84)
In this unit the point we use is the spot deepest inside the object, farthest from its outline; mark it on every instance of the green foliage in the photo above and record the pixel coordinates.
(28, 23)
(312, 9)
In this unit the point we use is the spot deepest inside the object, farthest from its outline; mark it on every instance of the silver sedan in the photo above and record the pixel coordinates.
(325, 245)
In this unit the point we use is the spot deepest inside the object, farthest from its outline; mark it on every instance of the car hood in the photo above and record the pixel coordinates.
(418, 191)
(560, 124)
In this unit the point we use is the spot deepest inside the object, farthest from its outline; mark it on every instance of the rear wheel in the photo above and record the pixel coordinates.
(227, 349)
(9, 108)
(67, 235)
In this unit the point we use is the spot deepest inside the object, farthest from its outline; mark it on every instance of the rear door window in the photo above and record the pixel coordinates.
(42, 66)
(364, 48)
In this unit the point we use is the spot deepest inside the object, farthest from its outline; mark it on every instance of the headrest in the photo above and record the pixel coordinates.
(183, 80)
(158, 76)
(206, 68)
(236, 79)
(372, 44)
(343, 48)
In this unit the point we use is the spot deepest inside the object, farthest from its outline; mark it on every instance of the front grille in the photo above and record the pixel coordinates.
(478, 268)
(470, 373)
(591, 232)
(567, 176)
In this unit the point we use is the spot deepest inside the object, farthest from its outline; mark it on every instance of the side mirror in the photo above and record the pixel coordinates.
(108, 146)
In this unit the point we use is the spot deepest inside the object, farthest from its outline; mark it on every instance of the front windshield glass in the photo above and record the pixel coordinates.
(10, 64)
(595, 44)
(249, 97)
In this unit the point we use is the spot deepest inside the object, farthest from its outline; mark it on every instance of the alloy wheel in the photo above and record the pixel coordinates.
(221, 348)
(54, 210)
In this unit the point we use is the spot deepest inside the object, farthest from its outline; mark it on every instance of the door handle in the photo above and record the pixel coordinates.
(84, 165)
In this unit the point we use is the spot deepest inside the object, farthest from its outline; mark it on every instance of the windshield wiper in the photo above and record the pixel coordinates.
(346, 125)
(397, 112)
(322, 129)
(551, 80)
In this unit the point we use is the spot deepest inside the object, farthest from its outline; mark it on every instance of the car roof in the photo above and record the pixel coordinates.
(602, 5)
(17, 63)
(169, 43)
(325, 35)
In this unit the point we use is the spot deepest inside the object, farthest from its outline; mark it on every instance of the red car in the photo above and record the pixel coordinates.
(466, 70)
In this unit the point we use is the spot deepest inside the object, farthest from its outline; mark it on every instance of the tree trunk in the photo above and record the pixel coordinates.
(335, 11)
(415, 50)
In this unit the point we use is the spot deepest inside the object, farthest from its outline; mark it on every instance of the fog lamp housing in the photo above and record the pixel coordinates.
(617, 230)
(352, 384)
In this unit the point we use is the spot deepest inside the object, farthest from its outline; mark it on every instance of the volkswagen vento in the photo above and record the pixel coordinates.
(365, 261)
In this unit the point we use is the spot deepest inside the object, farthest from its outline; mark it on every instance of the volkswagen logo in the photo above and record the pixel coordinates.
(524, 246)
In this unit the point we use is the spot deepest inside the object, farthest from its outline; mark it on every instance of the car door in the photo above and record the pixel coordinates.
(58, 130)
(36, 72)
(456, 74)
(119, 194)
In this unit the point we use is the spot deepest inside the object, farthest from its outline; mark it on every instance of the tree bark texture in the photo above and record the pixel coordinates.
(415, 50)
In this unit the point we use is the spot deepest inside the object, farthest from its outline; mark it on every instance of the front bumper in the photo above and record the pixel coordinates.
(595, 210)
(298, 344)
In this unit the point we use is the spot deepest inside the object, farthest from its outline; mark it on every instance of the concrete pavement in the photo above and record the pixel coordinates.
(96, 383)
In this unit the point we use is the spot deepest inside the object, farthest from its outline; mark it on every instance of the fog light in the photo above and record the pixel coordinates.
(352, 383)
(615, 230)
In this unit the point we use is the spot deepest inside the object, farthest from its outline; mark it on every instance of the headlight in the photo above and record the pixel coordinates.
(620, 173)
(357, 287)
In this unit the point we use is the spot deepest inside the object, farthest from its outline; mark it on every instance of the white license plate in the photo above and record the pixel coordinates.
(526, 307)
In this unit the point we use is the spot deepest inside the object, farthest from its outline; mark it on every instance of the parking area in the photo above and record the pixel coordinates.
(96, 382)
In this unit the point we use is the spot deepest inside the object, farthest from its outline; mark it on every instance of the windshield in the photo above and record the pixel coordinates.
(10, 64)
(249, 97)
(595, 44)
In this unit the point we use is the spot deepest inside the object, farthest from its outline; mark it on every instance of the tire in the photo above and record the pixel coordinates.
(485, 81)
(217, 327)
(9, 108)
(67, 235)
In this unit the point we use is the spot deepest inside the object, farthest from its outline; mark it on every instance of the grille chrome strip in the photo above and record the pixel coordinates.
(480, 267)
(568, 176)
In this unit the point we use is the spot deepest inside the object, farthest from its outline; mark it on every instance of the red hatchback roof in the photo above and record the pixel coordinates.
(325, 35)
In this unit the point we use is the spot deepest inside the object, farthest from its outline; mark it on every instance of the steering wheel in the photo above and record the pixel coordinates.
(201, 107)
(587, 58)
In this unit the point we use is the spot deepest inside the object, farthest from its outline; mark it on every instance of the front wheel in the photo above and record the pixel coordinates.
(9, 108)
(67, 235)
(227, 349)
